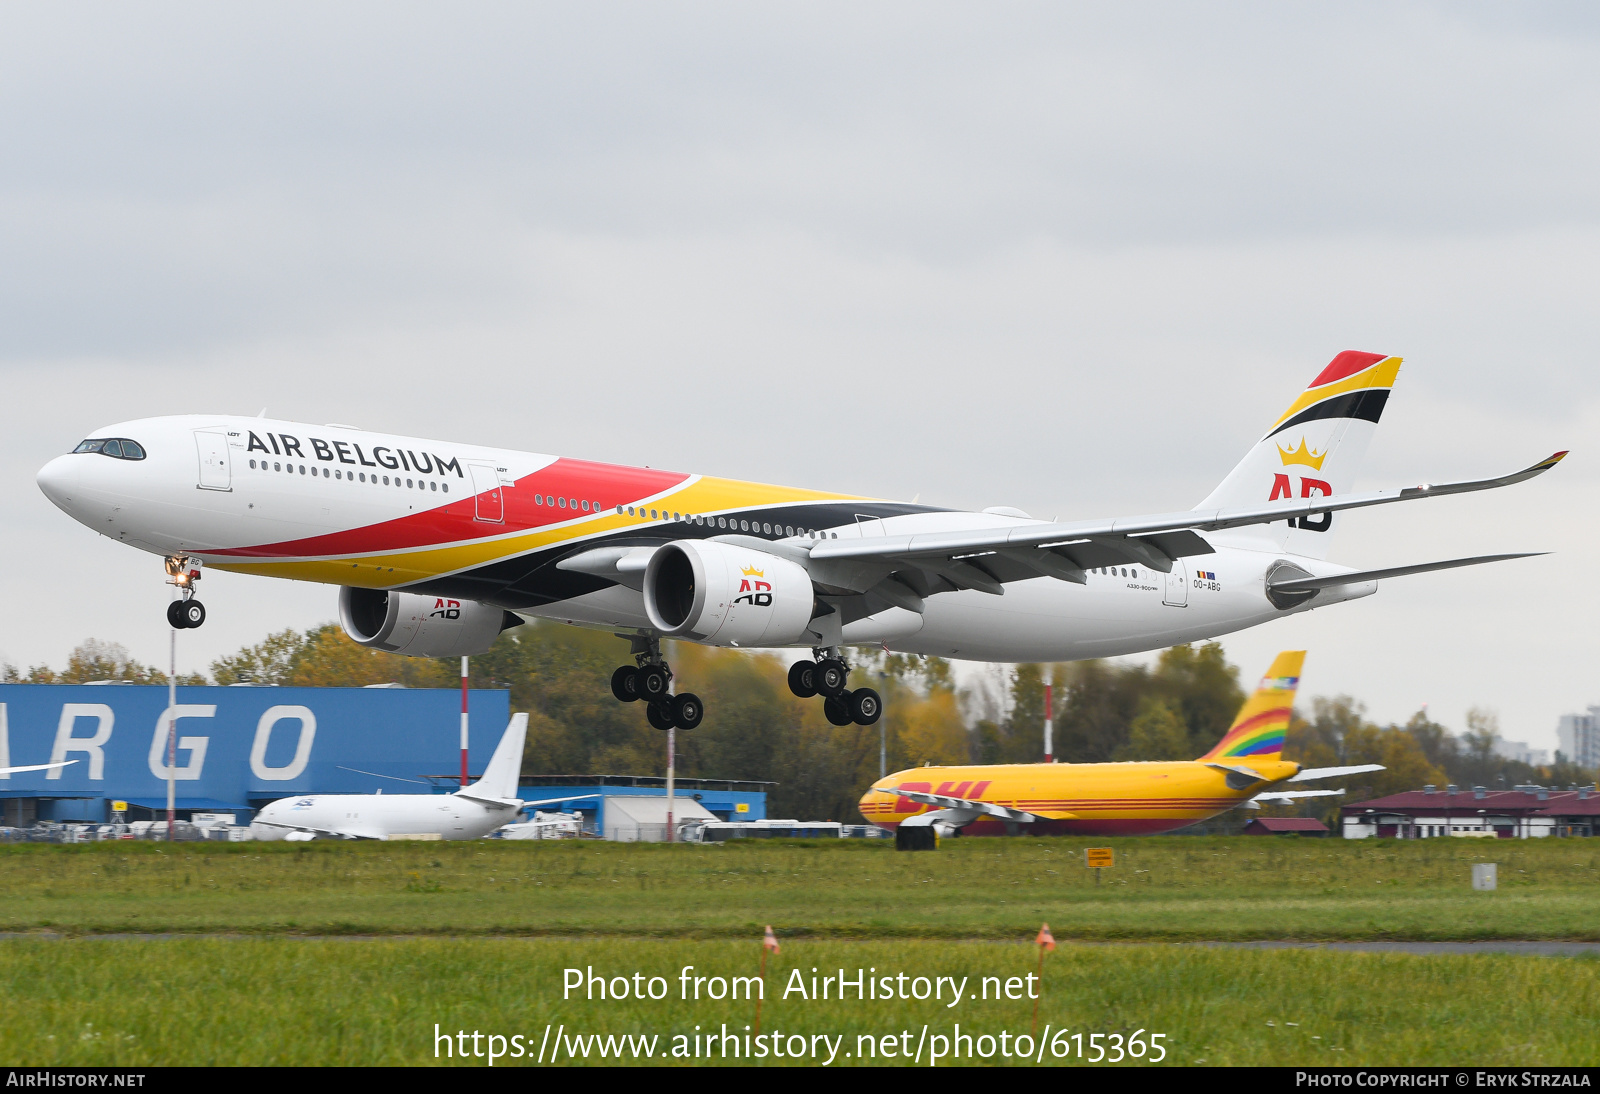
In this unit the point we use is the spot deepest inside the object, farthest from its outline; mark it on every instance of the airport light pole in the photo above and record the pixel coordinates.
(172, 732)
(463, 721)
(883, 732)
(672, 758)
(1049, 743)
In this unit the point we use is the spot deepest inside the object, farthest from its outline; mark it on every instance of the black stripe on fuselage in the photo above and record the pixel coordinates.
(531, 580)
(1366, 405)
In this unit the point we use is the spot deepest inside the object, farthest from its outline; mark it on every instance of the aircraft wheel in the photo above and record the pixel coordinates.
(659, 714)
(836, 708)
(687, 710)
(175, 615)
(866, 706)
(652, 683)
(803, 678)
(831, 677)
(625, 684)
(192, 612)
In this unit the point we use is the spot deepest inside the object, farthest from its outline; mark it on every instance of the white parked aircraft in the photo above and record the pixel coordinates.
(439, 547)
(470, 813)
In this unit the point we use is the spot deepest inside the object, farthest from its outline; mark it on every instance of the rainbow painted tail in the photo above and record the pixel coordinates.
(1257, 733)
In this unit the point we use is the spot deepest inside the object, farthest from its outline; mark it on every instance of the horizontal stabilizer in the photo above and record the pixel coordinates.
(1311, 584)
(1239, 778)
(1332, 773)
(1283, 797)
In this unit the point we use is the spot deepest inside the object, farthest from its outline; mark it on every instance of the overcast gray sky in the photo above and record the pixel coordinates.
(1069, 258)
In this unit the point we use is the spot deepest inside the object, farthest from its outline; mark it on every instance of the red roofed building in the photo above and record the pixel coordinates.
(1522, 813)
(1276, 826)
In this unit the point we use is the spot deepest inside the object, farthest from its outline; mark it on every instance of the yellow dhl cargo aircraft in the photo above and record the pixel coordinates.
(1116, 799)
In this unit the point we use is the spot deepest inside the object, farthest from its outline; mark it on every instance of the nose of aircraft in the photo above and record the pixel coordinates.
(58, 480)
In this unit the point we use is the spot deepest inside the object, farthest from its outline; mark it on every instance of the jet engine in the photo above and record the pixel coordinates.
(727, 596)
(420, 626)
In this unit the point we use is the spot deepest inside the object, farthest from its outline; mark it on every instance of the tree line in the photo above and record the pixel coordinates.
(1175, 709)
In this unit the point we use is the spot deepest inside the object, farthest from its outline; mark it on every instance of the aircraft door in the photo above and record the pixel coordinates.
(489, 500)
(216, 470)
(1177, 594)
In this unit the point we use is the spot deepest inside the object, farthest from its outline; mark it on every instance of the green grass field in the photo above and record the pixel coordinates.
(331, 1001)
(212, 963)
(1161, 889)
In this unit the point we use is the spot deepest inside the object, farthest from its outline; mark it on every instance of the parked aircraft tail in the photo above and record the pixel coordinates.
(1312, 450)
(1258, 731)
(499, 779)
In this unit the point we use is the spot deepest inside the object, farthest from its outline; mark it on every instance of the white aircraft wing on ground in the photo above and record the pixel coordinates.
(34, 767)
(968, 805)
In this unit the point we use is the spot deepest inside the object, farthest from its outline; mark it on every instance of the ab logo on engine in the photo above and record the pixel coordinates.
(445, 609)
(755, 591)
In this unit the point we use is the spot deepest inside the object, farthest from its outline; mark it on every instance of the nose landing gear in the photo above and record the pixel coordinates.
(827, 676)
(651, 682)
(185, 612)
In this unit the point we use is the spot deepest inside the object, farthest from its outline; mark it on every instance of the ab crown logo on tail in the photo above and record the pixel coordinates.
(754, 590)
(1309, 487)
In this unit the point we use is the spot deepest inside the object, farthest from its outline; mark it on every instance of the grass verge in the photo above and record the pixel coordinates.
(282, 1001)
(1161, 889)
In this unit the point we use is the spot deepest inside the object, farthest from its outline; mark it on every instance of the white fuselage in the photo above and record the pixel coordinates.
(381, 816)
(335, 511)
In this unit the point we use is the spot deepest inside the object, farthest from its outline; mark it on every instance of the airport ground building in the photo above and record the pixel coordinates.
(633, 808)
(1526, 812)
(238, 747)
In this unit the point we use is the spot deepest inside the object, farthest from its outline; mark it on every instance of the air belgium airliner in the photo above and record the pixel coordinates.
(1115, 799)
(437, 547)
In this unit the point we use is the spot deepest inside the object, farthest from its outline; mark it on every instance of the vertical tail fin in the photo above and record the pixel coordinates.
(1257, 733)
(1312, 450)
(499, 779)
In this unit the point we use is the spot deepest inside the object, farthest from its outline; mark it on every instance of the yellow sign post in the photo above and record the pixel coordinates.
(119, 807)
(1097, 859)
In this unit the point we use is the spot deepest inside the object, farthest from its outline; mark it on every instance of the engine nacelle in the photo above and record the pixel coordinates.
(420, 626)
(727, 596)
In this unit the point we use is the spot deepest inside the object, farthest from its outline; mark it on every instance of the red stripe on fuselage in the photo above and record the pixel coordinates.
(576, 480)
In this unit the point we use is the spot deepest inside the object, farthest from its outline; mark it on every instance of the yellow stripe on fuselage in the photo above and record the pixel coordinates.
(1182, 790)
(382, 571)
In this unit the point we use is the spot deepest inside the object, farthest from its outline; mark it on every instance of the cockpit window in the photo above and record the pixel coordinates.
(119, 447)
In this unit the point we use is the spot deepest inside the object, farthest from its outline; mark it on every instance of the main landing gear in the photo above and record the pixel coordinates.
(651, 683)
(186, 612)
(827, 676)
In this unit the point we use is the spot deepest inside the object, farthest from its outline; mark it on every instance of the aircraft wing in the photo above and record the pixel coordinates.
(988, 808)
(1311, 773)
(313, 830)
(34, 767)
(986, 558)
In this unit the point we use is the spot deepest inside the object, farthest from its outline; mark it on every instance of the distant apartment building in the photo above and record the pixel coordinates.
(1519, 752)
(1578, 737)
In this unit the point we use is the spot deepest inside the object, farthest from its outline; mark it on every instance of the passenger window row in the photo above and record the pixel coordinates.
(732, 524)
(353, 476)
